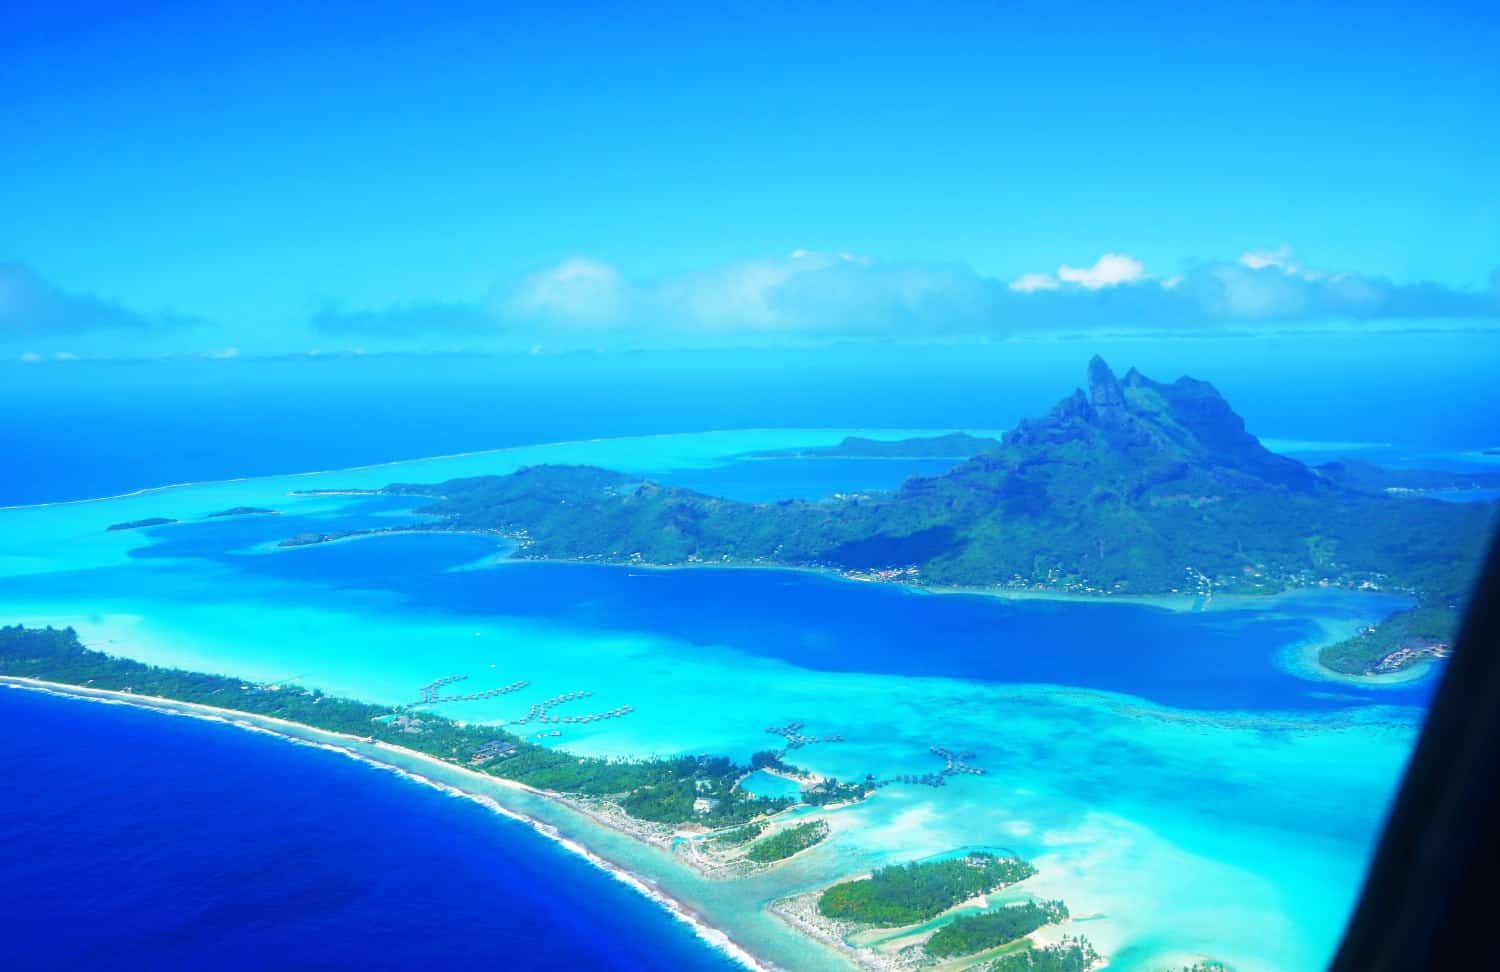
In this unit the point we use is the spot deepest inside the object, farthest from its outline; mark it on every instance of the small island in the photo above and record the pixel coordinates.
(244, 511)
(910, 893)
(312, 539)
(968, 934)
(150, 521)
(1069, 955)
(784, 843)
(938, 914)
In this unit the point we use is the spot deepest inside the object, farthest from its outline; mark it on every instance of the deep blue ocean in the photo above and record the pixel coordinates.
(136, 840)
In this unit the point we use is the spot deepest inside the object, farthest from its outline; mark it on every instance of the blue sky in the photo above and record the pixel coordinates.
(269, 177)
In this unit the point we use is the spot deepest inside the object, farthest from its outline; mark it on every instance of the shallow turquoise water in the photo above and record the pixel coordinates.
(763, 784)
(1177, 776)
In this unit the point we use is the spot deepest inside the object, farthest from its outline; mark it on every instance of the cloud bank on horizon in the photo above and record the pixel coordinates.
(813, 295)
(801, 296)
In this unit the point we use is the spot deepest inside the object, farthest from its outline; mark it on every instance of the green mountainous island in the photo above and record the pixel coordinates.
(1134, 487)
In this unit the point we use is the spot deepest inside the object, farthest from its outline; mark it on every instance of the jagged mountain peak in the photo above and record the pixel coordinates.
(1105, 394)
(1186, 423)
(1103, 385)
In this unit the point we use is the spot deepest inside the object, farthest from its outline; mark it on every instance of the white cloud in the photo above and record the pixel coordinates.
(803, 295)
(811, 293)
(1280, 257)
(1110, 270)
(814, 295)
(745, 294)
(224, 354)
(1030, 282)
(578, 290)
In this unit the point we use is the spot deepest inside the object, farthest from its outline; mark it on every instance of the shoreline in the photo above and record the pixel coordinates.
(797, 913)
(1180, 603)
(297, 733)
(1177, 603)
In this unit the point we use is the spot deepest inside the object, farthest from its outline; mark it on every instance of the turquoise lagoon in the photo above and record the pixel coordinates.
(1179, 773)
